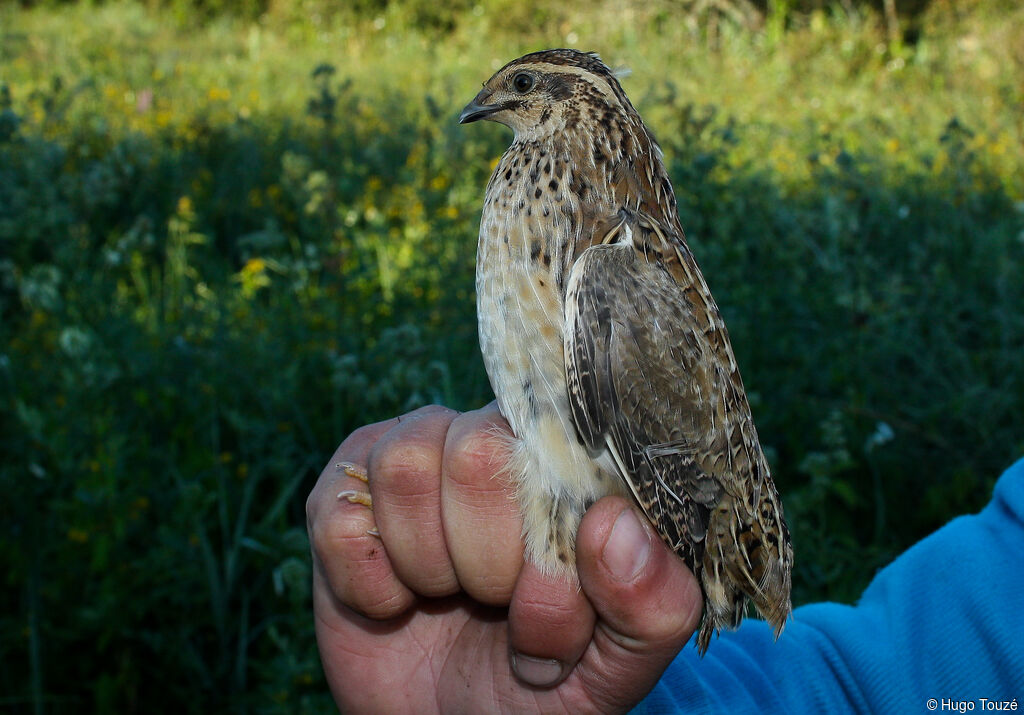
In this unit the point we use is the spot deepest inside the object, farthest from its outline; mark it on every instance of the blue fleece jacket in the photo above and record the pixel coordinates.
(941, 629)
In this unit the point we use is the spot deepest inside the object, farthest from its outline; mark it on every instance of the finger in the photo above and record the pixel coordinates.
(483, 528)
(550, 624)
(351, 565)
(405, 481)
(647, 601)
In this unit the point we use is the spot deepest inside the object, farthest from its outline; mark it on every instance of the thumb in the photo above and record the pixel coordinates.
(648, 603)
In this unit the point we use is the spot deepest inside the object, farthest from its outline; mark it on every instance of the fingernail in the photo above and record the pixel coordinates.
(628, 547)
(540, 672)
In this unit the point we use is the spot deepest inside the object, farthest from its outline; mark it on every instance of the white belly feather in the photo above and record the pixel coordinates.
(521, 321)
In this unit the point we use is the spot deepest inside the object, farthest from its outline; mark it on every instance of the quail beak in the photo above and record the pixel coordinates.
(477, 110)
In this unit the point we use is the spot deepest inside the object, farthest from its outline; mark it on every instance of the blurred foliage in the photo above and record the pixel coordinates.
(226, 244)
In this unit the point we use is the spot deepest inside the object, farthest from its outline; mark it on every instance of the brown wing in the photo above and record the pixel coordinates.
(652, 379)
(646, 382)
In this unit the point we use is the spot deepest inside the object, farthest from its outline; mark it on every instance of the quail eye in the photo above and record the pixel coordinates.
(523, 83)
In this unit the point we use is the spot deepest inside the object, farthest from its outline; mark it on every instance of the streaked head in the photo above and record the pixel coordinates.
(546, 92)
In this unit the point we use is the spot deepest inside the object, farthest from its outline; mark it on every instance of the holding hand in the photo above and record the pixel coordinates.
(440, 613)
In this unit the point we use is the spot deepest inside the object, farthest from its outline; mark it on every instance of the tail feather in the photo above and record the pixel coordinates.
(748, 555)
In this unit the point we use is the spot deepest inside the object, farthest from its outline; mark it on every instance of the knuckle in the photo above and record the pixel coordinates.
(407, 461)
(474, 454)
(400, 466)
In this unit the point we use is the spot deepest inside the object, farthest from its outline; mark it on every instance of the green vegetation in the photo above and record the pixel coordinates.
(224, 244)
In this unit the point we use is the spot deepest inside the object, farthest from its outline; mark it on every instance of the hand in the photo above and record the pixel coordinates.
(440, 613)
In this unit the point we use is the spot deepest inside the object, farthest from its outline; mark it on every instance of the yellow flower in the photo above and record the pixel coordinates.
(253, 276)
(255, 265)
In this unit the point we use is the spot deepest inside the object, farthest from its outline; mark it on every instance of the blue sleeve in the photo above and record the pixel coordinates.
(945, 620)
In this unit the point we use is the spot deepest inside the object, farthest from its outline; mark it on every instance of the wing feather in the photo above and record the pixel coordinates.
(653, 381)
(642, 384)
